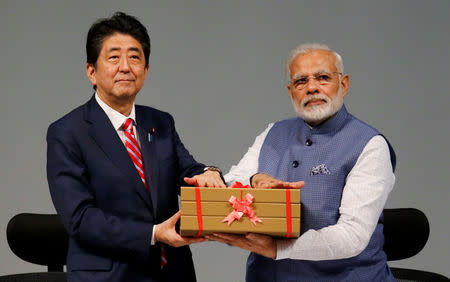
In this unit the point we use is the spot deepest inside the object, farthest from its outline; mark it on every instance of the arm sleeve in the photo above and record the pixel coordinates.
(75, 202)
(248, 165)
(364, 196)
(188, 166)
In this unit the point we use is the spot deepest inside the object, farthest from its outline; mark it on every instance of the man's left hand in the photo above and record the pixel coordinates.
(207, 179)
(257, 243)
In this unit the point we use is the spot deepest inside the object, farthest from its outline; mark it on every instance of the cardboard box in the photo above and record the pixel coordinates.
(206, 208)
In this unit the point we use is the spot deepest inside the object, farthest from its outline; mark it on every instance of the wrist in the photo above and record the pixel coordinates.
(212, 168)
(215, 169)
(274, 249)
(156, 230)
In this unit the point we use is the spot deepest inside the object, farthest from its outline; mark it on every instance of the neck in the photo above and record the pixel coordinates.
(123, 105)
(314, 124)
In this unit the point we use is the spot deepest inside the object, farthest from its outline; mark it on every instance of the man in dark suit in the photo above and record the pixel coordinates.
(114, 169)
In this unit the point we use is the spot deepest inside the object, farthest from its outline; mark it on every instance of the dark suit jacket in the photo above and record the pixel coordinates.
(102, 201)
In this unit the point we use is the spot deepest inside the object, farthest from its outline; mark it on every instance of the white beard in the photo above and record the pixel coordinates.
(316, 114)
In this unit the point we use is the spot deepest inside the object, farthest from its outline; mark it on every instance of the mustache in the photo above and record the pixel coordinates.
(308, 99)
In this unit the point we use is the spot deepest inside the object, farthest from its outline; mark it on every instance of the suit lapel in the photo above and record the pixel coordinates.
(144, 125)
(104, 134)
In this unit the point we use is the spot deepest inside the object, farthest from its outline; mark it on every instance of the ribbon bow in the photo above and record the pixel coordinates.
(242, 207)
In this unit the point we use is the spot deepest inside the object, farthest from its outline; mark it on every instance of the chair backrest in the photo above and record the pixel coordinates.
(406, 232)
(413, 275)
(35, 277)
(39, 239)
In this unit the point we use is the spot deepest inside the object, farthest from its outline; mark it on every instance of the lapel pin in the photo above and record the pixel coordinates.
(150, 134)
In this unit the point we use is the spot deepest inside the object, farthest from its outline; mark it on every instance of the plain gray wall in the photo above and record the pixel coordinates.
(218, 67)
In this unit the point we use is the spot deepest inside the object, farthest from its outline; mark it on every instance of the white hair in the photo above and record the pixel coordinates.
(309, 47)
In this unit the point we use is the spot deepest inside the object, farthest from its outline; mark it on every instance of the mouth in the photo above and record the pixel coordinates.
(314, 102)
(124, 80)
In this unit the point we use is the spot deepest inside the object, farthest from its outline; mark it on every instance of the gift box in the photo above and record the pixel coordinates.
(273, 212)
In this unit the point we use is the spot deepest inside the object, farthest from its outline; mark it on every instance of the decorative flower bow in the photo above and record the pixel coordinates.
(241, 207)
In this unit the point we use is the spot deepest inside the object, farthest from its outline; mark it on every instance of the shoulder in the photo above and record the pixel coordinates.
(375, 140)
(289, 121)
(361, 125)
(69, 121)
(154, 119)
(153, 113)
(286, 126)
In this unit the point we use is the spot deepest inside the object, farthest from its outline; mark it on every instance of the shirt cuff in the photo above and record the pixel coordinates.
(283, 248)
(152, 241)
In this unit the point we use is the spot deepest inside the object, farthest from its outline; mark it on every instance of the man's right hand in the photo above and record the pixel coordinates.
(262, 180)
(165, 233)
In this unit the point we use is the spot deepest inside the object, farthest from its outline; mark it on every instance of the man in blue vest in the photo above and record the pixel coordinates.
(347, 168)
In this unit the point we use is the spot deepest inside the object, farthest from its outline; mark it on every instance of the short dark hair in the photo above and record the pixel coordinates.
(118, 23)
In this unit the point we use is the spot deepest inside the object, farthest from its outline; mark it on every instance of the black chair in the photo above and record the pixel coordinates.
(40, 239)
(406, 232)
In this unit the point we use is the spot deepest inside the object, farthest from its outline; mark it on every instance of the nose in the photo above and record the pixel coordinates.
(124, 65)
(312, 87)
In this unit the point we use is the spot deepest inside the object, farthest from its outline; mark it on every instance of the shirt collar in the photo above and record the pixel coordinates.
(332, 124)
(117, 119)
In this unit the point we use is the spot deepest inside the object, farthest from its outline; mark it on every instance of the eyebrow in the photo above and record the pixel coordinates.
(300, 75)
(136, 49)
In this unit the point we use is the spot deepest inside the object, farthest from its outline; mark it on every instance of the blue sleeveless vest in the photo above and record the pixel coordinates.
(322, 156)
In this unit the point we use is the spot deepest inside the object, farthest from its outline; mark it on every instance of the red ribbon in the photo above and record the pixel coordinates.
(238, 184)
(288, 214)
(199, 211)
(241, 207)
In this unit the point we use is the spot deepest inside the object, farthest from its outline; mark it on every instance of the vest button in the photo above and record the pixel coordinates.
(308, 142)
(295, 163)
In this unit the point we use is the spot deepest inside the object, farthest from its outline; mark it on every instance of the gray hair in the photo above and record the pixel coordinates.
(309, 47)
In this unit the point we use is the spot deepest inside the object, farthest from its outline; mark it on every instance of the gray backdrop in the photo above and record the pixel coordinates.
(218, 67)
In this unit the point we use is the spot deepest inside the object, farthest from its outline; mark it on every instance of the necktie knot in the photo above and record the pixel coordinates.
(128, 125)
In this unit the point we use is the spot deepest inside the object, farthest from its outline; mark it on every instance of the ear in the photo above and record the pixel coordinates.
(289, 87)
(90, 72)
(147, 68)
(345, 84)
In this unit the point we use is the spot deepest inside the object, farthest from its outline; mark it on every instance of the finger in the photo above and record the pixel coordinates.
(174, 218)
(252, 236)
(191, 181)
(218, 239)
(230, 237)
(178, 241)
(212, 237)
(291, 185)
(294, 185)
(297, 185)
(264, 185)
(213, 184)
(192, 240)
(202, 183)
(272, 184)
(231, 242)
(219, 184)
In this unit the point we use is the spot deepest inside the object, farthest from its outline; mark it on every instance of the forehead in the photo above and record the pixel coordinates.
(120, 41)
(312, 62)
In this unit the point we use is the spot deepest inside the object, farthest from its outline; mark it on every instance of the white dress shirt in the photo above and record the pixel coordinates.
(365, 193)
(117, 119)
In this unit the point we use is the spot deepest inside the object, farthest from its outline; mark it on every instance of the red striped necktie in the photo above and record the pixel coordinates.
(133, 150)
(135, 154)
